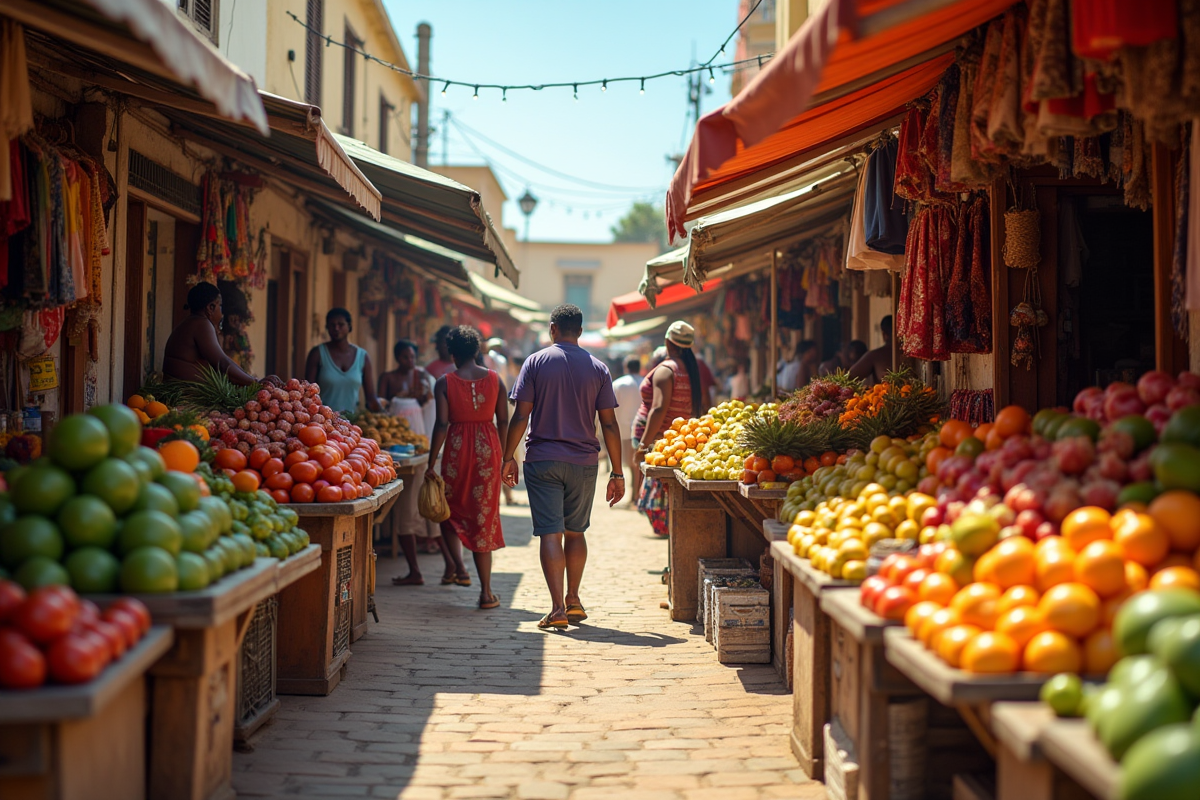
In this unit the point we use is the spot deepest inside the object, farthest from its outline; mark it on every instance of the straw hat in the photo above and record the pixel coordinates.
(681, 334)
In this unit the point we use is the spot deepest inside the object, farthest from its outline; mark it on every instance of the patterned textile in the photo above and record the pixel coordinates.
(471, 464)
(921, 313)
(653, 503)
(969, 297)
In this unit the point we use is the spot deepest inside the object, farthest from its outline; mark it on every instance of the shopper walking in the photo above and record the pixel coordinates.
(559, 393)
(468, 400)
(671, 391)
(442, 364)
(341, 368)
(625, 388)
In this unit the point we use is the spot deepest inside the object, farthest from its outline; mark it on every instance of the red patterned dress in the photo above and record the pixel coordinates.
(471, 464)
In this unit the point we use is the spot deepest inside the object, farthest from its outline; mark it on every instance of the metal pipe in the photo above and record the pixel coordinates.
(773, 349)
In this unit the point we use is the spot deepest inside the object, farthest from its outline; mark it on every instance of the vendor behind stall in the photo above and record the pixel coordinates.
(194, 344)
(341, 368)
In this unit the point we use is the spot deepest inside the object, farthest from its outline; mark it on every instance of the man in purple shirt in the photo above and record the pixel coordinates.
(558, 394)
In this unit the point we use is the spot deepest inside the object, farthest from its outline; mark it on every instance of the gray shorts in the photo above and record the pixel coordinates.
(560, 496)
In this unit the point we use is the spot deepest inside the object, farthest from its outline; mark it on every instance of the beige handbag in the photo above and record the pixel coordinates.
(431, 502)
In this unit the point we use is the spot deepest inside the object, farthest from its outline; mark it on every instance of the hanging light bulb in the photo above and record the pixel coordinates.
(575, 90)
(643, 91)
(604, 85)
(711, 78)
(476, 95)
(445, 86)
(504, 96)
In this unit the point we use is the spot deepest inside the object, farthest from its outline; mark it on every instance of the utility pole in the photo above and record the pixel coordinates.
(421, 151)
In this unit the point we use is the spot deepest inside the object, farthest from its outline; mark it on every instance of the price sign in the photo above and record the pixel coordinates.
(42, 375)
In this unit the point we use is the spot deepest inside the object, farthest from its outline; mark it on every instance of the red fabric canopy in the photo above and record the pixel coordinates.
(768, 120)
(629, 303)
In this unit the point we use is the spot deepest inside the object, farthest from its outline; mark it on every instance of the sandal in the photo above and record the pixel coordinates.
(408, 580)
(462, 580)
(546, 622)
(575, 613)
(447, 580)
(493, 603)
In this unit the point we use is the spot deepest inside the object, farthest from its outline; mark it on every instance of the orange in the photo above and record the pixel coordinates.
(918, 613)
(1178, 512)
(952, 642)
(155, 409)
(938, 621)
(1051, 652)
(1014, 562)
(1071, 608)
(994, 653)
(180, 455)
(937, 587)
(1099, 652)
(976, 604)
(984, 570)
(246, 481)
(1085, 525)
(1176, 577)
(1111, 605)
(994, 440)
(936, 456)
(1017, 597)
(136, 402)
(1055, 565)
(1022, 624)
(1011, 420)
(953, 432)
(1052, 542)
(1101, 567)
(983, 431)
(1141, 538)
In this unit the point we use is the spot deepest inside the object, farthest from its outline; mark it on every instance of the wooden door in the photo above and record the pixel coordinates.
(135, 298)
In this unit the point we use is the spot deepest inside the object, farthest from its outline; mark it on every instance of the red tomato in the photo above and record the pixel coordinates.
(329, 494)
(136, 607)
(900, 568)
(104, 648)
(44, 616)
(67, 594)
(11, 596)
(912, 581)
(365, 490)
(305, 471)
(22, 666)
(345, 448)
(127, 622)
(310, 435)
(272, 466)
(231, 458)
(303, 493)
(355, 464)
(74, 659)
(258, 457)
(895, 602)
(318, 485)
(89, 612)
(349, 491)
(295, 457)
(114, 635)
(870, 590)
(332, 474)
(323, 458)
(281, 495)
(372, 477)
(280, 480)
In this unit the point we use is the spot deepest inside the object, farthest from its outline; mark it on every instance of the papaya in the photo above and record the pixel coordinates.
(1163, 765)
(1176, 465)
(1157, 701)
(1183, 427)
(1138, 615)
(1177, 642)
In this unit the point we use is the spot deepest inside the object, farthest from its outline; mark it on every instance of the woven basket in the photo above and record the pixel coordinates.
(1022, 239)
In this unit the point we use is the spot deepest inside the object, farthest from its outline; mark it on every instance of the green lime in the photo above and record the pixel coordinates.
(124, 427)
(1183, 427)
(1063, 693)
(193, 572)
(144, 472)
(29, 537)
(79, 442)
(1140, 429)
(40, 571)
(246, 549)
(41, 489)
(969, 447)
(197, 530)
(184, 487)
(87, 521)
(93, 571)
(114, 482)
(156, 497)
(218, 510)
(1141, 492)
(230, 553)
(1078, 426)
(215, 557)
(150, 457)
(149, 570)
(278, 548)
(150, 529)
(262, 550)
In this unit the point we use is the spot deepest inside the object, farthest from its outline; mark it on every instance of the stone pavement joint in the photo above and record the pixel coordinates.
(444, 702)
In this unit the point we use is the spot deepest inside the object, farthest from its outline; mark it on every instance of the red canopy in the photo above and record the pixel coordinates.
(629, 303)
(856, 80)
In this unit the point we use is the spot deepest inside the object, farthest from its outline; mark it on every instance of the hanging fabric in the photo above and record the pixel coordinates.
(1179, 252)
(16, 100)
(968, 294)
(885, 222)
(1193, 226)
(1101, 27)
(921, 312)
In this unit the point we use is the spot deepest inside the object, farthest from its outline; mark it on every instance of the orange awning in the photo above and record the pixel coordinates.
(633, 302)
(827, 82)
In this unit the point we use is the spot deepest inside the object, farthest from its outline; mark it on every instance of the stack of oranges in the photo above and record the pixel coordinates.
(147, 408)
(1048, 607)
(684, 437)
(955, 434)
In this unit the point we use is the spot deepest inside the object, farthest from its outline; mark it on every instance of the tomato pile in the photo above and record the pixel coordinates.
(300, 451)
(52, 635)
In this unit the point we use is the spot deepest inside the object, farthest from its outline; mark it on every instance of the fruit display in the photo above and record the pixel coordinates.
(257, 515)
(389, 430)
(52, 636)
(706, 448)
(104, 514)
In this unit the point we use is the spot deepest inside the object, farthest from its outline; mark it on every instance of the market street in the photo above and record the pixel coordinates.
(442, 700)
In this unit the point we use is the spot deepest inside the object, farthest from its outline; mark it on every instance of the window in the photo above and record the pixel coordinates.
(577, 290)
(313, 48)
(386, 110)
(353, 47)
(202, 14)
(579, 264)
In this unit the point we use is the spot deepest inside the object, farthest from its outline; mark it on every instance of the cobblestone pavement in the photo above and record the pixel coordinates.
(442, 700)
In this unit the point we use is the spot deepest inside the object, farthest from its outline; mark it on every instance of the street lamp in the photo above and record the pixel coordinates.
(528, 203)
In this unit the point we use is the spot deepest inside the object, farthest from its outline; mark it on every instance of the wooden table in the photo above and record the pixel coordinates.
(766, 501)
(796, 578)
(863, 686)
(1042, 757)
(392, 524)
(85, 742)
(324, 611)
(193, 687)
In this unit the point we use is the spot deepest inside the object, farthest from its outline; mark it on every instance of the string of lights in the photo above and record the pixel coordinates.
(504, 89)
(729, 38)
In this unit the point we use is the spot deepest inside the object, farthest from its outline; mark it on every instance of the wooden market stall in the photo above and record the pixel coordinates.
(1042, 757)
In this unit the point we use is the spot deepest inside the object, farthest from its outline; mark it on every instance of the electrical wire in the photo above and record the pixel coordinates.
(724, 44)
(536, 87)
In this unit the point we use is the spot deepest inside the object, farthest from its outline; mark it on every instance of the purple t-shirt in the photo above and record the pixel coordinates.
(567, 387)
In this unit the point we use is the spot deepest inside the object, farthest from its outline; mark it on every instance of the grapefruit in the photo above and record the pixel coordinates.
(150, 529)
(87, 521)
(149, 570)
(41, 489)
(79, 442)
(93, 571)
(29, 537)
(114, 482)
(124, 427)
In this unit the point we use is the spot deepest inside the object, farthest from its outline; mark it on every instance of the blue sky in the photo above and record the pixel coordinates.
(616, 138)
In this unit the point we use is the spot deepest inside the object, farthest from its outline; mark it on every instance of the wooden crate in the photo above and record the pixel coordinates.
(716, 567)
(741, 625)
(841, 763)
(84, 742)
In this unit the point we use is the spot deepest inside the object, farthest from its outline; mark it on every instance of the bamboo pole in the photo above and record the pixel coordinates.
(774, 345)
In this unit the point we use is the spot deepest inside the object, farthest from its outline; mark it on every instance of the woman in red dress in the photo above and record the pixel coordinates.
(467, 400)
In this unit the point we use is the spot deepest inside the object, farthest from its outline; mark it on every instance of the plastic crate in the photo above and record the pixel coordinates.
(256, 701)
